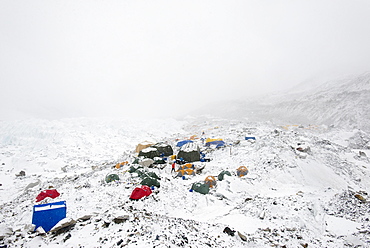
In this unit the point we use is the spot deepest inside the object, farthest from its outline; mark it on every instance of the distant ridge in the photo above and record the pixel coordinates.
(343, 103)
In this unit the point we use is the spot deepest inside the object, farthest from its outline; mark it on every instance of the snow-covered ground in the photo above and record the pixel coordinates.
(316, 197)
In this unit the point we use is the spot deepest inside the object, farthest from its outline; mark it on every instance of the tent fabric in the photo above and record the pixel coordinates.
(143, 145)
(164, 148)
(211, 140)
(185, 172)
(148, 181)
(119, 165)
(146, 162)
(211, 181)
(183, 142)
(48, 215)
(186, 166)
(141, 192)
(153, 175)
(221, 176)
(133, 169)
(52, 193)
(250, 138)
(111, 178)
(242, 171)
(160, 161)
(189, 152)
(200, 187)
(217, 143)
(149, 152)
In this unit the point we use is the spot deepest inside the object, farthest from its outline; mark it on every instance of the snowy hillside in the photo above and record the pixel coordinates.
(307, 186)
(343, 103)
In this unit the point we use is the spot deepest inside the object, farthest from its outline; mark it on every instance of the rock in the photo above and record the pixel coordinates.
(244, 238)
(40, 231)
(29, 227)
(360, 197)
(31, 185)
(228, 231)
(84, 218)
(5, 231)
(21, 174)
(67, 237)
(262, 214)
(362, 154)
(121, 219)
(120, 242)
(63, 226)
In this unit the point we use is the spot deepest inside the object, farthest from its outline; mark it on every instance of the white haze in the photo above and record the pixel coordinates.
(160, 58)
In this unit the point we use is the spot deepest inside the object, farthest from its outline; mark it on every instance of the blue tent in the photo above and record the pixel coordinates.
(183, 142)
(248, 138)
(218, 143)
(48, 215)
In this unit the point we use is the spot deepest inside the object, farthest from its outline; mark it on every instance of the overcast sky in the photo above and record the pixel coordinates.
(89, 57)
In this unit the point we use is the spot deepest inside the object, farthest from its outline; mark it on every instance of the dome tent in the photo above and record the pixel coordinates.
(210, 181)
(141, 192)
(200, 187)
(111, 177)
(183, 142)
(149, 181)
(242, 171)
(150, 152)
(163, 148)
(221, 176)
(189, 152)
(143, 145)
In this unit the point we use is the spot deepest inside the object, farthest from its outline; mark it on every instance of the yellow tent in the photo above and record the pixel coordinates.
(119, 165)
(142, 146)
(211, 181)
(210, 140)
(185, 172)
(186, 166)
(242, 171)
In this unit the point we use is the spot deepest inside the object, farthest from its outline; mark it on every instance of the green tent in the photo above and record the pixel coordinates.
(153, 175)
(220, 176)
(133, 169)
(160, 161)
(149, 152)
(189, 152)
(111, 177)
(163, 148)
(149, 181)
(200, 187)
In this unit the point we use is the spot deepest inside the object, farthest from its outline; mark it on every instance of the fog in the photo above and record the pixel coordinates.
(166, 58)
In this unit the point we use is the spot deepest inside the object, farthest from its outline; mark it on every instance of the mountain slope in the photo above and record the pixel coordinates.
(343, 103)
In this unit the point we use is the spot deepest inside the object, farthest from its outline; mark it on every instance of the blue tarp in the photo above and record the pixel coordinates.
(247, 138)
(218, 143)
(48, 215)
(183, 142)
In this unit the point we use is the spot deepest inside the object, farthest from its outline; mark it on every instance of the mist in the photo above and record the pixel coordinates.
(64, 59)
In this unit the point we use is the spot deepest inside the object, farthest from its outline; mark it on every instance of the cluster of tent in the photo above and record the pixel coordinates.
(188, 151)
(148, 182)
(211, 182)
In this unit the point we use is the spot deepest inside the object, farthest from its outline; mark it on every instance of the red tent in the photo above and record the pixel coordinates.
(139, 193)
(52, 193)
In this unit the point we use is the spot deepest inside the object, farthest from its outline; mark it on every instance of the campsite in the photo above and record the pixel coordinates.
(258, 192)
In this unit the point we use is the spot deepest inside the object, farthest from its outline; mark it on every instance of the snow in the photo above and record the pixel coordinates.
(286, 199)
(306, 184)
